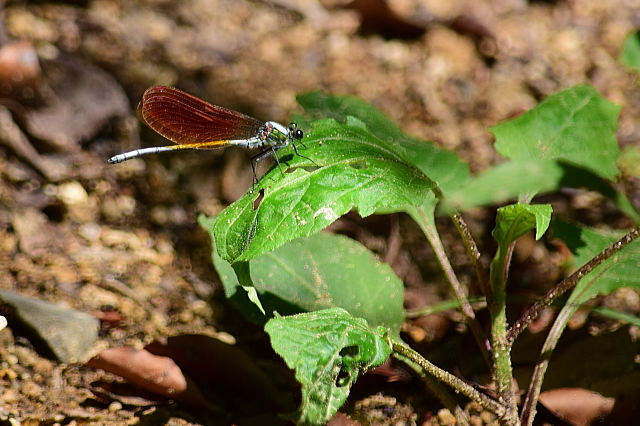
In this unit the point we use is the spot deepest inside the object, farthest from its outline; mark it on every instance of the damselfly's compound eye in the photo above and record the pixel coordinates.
(294, 132)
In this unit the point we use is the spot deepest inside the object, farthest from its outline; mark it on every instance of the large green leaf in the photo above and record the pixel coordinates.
(344, 167)
(576, 125)
(441, 165)
(328, 349)
(513, 179)
(507, 181)
(319, 272)
(567, 140)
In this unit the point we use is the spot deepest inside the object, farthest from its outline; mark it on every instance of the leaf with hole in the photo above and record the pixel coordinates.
(328, 350)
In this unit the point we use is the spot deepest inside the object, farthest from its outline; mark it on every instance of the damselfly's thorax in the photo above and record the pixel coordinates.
(275, 135)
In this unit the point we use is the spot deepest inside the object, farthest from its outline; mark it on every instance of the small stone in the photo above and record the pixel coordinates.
(10, 396)
(67, 332)
(72, 193)
(26, 357)
(32, 390)
(446, 418)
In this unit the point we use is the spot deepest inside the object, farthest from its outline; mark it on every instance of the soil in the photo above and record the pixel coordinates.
(121, 242)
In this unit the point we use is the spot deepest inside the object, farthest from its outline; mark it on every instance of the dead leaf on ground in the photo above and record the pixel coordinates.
(158, 374)
(579, 407)
(61, 101)
(215, 363)
(82, 100)
(378, 18)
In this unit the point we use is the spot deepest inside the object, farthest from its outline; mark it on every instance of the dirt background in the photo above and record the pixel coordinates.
(121, 243)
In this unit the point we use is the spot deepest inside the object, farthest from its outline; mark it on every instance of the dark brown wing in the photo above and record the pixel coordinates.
(185, 119)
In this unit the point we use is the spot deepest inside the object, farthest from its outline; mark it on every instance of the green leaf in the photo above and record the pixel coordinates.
(621, 270)
(630, 54)
(319, 272)
(441, 165)
(576, 125)
(349, 168)
(328, 349)
(615, 315)
(507, 181)
(243, 274)
(513, 179)
(514, 221)
(542, 213)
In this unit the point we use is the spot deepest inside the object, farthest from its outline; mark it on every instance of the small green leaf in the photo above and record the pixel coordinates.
(543, 217)
(243, 274)
(630, 54)
(348, 168)
(576, 125)
(328, 349)
(319, 272)
(516, 220)
(240, 295)
(512, 222)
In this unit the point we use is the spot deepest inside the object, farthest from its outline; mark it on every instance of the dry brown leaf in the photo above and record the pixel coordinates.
(579, 407)
(215, 363)
(158, 374)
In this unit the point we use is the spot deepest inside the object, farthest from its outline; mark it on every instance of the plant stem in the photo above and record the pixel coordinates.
(479, 302)
(473, 252)
(441, 375)
(443, 394)
(568, 283)
(533, 393)
(428, 227)
(468, 241)
(501, 350)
